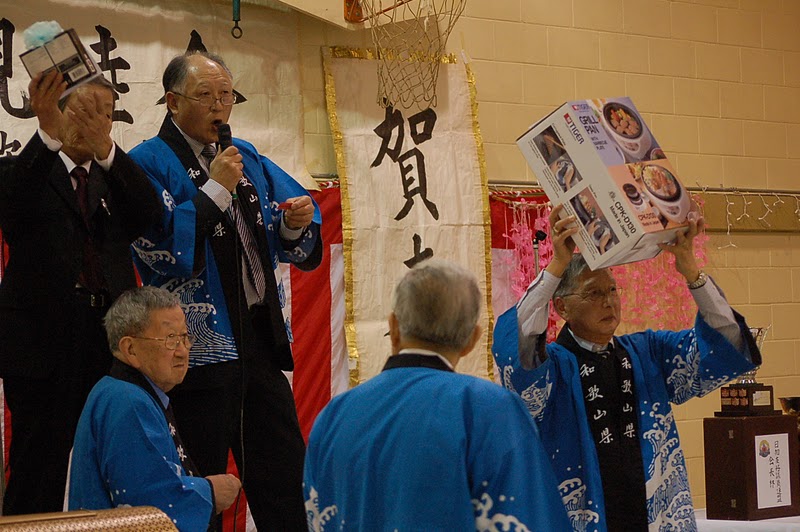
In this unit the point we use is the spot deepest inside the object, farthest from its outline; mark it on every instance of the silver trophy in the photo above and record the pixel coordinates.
(759, 335)
(746, 396)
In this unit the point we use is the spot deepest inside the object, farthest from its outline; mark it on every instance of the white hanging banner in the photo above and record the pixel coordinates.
(413, 186)
(133, 42)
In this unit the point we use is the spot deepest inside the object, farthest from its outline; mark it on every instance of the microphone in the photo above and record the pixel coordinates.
(225, 140)
(224, 135)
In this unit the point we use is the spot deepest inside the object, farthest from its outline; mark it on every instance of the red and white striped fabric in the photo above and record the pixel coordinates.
(316, 303)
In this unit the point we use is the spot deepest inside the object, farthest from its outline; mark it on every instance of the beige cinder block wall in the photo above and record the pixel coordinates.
(719, 83)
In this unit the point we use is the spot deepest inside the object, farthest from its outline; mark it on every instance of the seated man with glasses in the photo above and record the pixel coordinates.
(602, 402)
(127, 449)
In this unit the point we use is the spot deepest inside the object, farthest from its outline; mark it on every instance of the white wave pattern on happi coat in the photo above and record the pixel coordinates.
(573, 494)
(534, 396)
(486, 521)
(318, 519)
(151, 256)
(210, 346)
(686, 379)
(669, 501)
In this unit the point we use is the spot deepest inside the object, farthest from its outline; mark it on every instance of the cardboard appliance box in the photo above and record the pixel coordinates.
(600, 160)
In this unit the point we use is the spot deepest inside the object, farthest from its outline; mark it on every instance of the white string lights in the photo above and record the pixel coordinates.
(797, 210)
(728, 215)
(776, 215)
(744, 214)
(767, 212)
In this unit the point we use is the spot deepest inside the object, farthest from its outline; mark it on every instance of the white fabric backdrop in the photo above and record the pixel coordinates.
(265, 63)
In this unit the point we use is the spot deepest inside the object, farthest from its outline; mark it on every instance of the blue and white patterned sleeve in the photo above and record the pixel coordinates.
(697, 361)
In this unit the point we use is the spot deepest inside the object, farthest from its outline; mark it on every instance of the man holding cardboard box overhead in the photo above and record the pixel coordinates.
(601, 401)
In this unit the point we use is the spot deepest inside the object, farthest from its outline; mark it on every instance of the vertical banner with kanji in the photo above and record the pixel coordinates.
(413, 187)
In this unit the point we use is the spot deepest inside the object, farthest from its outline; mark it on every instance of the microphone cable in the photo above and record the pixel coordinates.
(225, 139)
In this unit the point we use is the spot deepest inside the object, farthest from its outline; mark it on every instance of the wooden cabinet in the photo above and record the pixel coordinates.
(746, 462)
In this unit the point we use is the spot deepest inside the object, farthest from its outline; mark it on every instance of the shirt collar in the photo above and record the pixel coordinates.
(163, 397)
(591, 346)
(426, 353)
(70, 164)
(196, 146)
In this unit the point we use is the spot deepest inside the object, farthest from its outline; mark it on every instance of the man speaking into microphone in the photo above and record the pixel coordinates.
(230, 216)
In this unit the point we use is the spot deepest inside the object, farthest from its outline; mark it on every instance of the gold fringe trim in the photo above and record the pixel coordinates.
(345, 52)
(389, 54)
(347, 215)
(487, 217)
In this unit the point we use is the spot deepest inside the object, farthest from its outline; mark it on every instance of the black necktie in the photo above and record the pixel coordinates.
(254, 268)
(82, 190)
(91, 276)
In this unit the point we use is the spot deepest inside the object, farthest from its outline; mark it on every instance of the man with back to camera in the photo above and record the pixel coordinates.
(221, 256)
(419, 447)
(602, 401)
(71, 204)
(127, 450)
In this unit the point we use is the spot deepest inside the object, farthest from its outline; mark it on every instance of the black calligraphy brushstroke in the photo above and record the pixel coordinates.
(104, 48)
(421, 190)
(428, 119)
(8, 148)
(393, 119)
(419, 254)
(7, 72)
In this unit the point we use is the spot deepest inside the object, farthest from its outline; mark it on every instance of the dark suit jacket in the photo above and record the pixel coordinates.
(42, 224)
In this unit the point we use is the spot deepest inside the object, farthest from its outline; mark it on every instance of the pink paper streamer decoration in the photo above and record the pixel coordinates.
(653, 294)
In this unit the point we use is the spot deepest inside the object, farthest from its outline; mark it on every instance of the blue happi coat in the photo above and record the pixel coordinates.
(418, 448)
(668, 367)
(124, 455)
(165, 256)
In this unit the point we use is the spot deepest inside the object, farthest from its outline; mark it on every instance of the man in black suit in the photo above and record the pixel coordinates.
(70, 205)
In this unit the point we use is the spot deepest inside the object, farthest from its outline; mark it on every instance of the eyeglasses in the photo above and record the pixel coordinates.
(171, 342)
(597, 295)
(207, 100)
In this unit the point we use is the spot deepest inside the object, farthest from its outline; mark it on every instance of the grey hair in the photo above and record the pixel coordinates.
(99, 81)
(438, 302)
(569, 280)
(178, 68)
(129, 315)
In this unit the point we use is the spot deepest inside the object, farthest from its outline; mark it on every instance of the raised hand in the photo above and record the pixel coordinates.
(45, 90)
(92, 116)
(561, 232)
(683, 248)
